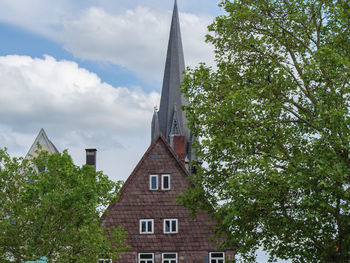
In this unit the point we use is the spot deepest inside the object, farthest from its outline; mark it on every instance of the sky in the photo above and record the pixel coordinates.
(90, 71)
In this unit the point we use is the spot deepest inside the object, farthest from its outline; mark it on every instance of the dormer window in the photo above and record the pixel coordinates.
(165, 181)
(153, 182)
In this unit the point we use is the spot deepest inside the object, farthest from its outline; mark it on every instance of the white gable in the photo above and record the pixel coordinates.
(44, 142)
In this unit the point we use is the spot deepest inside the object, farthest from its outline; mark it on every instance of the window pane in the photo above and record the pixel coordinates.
(154, 185)
(143, 226)
(146, 256)
(174, 226)
(167, 226)
(169, 256)
(166, 182)
(149, 226)
(217, 255)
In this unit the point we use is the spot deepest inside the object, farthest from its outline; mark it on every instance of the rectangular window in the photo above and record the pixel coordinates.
(165, 181)
(169, 258)
(105, 260)
(146, 258)
(170, 226)
(153, 182)
(216, 257)
(146, 226)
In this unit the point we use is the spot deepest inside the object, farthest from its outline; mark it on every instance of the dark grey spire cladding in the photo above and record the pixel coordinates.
(171, 95)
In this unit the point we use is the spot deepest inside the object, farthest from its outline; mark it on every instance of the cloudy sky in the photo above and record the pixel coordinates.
(89, 72)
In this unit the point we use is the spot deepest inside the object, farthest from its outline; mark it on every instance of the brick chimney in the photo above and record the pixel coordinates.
(180, 147)
(91, 157)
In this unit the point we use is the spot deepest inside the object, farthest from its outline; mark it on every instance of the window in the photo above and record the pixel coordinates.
(169, 258)
(170, 226)
(146, 226)
(216, 257)
(165, 181)
(153, 182)
(146, 258)
(105, 260)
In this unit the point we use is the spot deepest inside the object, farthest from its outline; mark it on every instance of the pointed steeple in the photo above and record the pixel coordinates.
(171, 95)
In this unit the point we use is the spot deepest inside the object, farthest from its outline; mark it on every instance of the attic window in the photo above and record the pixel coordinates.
(153, 182)
(217, 257)
(170, 226)
(169, 258)
(146, 258)
(165, 181)
(146, 226)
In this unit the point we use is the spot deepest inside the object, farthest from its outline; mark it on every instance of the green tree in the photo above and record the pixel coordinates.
(51, 207)
(273, 122)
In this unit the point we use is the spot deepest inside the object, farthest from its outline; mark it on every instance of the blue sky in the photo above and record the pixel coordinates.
(89, 72)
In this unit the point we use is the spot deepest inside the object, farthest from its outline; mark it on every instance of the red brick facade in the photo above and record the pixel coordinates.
(137, 201)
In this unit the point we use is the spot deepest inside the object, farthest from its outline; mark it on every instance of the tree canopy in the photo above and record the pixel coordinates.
(51, 207)
(273, 126)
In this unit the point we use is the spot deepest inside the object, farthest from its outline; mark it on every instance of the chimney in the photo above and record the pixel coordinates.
(180, 147)
(91, 157)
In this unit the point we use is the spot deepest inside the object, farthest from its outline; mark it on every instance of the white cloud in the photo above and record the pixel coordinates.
(40, 16)
(70, 101)
(136, 39)
(127, 34)
(36, 88)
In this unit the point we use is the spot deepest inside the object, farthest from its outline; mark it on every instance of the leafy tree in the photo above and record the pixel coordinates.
(51, 207)
(273, 119)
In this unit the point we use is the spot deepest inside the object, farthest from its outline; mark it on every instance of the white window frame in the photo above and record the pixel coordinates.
(171, 231)
(147, 230)
(166, 175)
(150, 181)
(139, 257)
(165, 259)
(104, 260)
(216, 258)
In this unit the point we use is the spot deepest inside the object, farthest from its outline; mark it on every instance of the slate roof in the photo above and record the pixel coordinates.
(137, 202)
(172, 99)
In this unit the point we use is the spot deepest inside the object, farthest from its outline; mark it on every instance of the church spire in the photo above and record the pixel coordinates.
(172, 99)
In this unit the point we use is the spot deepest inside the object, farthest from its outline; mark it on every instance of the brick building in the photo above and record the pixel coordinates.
(160, 231)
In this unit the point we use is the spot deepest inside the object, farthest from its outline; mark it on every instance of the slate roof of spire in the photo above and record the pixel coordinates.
(171, 95)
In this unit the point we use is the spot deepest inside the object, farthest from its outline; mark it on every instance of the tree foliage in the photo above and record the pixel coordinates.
(51, 207)
(273, 120)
